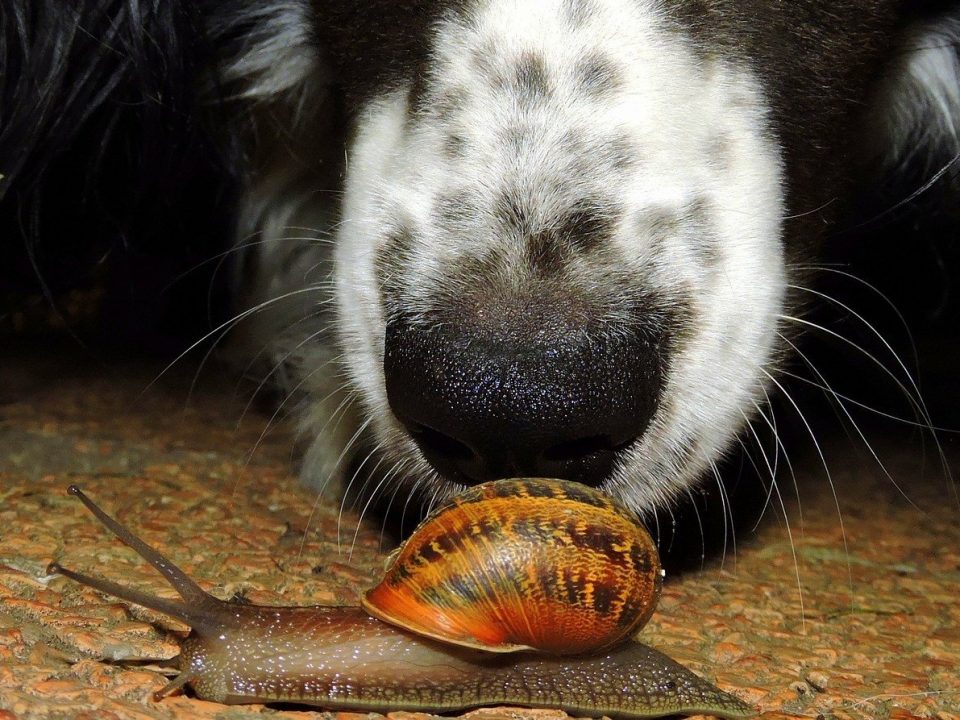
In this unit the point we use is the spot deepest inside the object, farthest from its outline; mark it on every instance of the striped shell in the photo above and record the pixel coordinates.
(523, 564)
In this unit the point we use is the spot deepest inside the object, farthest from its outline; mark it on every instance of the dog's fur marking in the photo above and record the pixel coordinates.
(643, 147)
(922, 94)
(654, 167)
(600, 161)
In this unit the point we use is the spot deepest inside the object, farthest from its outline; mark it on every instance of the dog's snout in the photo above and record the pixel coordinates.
(532, 391)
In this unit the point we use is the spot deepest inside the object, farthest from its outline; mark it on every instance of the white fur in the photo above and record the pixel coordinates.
(280, 57)
(670, 110)
(920, 98)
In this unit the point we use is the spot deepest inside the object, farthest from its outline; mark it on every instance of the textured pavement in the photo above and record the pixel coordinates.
(859, 619)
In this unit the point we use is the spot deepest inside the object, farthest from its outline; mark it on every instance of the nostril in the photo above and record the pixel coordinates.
(436, 444)
(573, 449)
(483, 401)
(584, 447)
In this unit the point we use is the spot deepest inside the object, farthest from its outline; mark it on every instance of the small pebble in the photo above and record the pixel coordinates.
(817, 679)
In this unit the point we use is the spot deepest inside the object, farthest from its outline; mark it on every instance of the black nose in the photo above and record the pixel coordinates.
(538, 390)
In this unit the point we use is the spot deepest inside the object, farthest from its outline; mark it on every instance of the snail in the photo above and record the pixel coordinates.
(434, 635)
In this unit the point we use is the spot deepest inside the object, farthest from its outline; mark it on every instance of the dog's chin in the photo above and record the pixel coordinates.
(392, 488)
(395, 491)
(388, 479)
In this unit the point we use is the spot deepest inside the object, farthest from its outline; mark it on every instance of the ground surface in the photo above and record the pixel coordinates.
(872, 629)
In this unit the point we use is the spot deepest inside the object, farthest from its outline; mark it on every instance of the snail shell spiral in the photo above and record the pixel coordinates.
(523, 564)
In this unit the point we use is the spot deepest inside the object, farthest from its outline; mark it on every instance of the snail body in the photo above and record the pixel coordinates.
(341, 658)
(344, 658)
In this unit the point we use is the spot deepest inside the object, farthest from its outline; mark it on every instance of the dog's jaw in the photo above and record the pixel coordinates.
(679, 143)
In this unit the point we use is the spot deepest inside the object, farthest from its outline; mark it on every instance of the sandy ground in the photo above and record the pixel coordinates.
(859, 619)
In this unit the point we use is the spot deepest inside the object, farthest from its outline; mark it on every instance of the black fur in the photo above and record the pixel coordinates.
(107, 153)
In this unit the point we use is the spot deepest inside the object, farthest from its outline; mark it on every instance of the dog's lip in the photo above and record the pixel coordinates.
(589, 460)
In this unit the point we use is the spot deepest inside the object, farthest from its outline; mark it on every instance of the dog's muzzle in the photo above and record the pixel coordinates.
(521, 388)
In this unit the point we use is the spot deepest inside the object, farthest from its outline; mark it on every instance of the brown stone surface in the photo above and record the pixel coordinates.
(852, 620)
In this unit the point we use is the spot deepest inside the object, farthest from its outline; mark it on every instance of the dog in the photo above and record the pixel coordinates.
(490, 238)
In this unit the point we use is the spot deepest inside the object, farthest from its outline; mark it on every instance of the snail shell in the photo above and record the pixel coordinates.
(523, 564)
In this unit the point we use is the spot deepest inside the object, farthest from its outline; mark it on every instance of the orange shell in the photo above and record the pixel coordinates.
(523, 564)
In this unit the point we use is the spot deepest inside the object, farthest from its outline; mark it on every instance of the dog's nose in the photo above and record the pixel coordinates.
(532, 392)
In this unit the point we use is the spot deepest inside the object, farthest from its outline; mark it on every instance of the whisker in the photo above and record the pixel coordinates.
(703, 536)
(310, 337)
(873, 288)
(826, 386)
(673, 528)
(391, 476)
(914, 403)
(434, 499)
(753, 464)
(271, 421)
(371, 495)
(914, 398)
(771, 421)
(338, 415)
(388, 477)
(920, 406)
(215, 344)
(826, 470)
(869, 408)
(934, 179)
(729, 528)
(247, 244)
(770, 471)
(869, 326)
(346, 491)
(414, 490)
(259, 307)
(775, 488)
(805, 213)
(780, 448)
(656, 527)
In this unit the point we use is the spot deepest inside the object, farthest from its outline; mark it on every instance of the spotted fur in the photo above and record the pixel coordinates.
(672, 156)
(657, 169)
